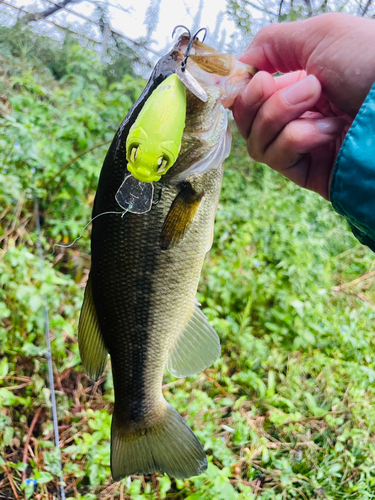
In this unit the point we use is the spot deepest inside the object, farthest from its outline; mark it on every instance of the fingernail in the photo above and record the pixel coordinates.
(330, 125)
(300, 91)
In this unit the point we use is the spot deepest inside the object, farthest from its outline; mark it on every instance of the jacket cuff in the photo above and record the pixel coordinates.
(353, 180)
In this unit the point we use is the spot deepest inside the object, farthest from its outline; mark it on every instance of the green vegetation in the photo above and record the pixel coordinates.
(289, 409)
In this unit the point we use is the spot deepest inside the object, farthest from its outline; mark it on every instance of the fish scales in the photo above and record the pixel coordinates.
(144, 295)
(139, 303)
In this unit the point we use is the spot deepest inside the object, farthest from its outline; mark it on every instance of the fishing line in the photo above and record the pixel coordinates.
(89, 222)
(51, 381)
(48, 342)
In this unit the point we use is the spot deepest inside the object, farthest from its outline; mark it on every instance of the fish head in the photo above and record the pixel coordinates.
(213, 80)
(167, 142)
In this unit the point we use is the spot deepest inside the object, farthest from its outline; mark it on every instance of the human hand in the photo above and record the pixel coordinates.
(296, 123)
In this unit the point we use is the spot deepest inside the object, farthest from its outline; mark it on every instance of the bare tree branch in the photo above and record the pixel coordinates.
(324, 5)
(35, 16)
(309, 7)
(367, 6)
(280, 7)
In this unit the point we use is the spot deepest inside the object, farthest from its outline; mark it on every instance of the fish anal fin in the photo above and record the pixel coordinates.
(180, 216)
(196, 348)
(169, 446)
(91, 345)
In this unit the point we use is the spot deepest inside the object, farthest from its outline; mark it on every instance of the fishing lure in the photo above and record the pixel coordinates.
(154, 140)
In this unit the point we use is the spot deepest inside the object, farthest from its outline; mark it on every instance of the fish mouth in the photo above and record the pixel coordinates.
(205, 66)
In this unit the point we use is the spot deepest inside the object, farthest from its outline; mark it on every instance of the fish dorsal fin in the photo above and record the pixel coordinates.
(196, 348)
(90, 340)
(180, 216)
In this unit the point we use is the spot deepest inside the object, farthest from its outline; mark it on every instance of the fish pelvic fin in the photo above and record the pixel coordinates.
(180, 216)
(169, 447)
(90, 340)
(196, 348)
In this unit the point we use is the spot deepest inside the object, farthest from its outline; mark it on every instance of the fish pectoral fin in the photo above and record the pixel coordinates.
(180, 216)
(90, 340)
(169, 446)
(196, 348)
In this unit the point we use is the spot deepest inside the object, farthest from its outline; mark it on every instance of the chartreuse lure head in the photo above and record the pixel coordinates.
(154, 140)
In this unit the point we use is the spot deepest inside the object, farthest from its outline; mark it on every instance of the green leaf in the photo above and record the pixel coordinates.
(165, 484)
(35, 302)
(8, 435)
(43, 477)
(7, 398)
(4, 367)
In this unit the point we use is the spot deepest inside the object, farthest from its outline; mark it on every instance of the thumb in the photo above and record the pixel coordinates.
(288, 46)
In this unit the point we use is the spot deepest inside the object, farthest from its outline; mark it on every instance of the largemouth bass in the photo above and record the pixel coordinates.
(139, 304)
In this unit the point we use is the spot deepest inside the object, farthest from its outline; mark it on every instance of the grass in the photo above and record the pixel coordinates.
(287, 412)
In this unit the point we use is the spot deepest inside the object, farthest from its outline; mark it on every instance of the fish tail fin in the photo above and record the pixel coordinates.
(168, 447)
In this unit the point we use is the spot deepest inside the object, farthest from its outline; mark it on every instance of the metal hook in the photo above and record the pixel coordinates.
(205, 34)
(188, 49)
(180, 26)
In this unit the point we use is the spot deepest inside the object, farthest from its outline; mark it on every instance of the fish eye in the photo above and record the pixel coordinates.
(133, 153)
(162, 162)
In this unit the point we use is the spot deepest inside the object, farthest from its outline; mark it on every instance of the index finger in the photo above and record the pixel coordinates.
(247, 103)
(253, 96)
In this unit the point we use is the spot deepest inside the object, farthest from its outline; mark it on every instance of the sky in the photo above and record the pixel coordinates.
(127, 16)
(172, 13)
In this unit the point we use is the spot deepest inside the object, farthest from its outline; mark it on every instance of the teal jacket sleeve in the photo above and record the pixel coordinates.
(353, 180)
